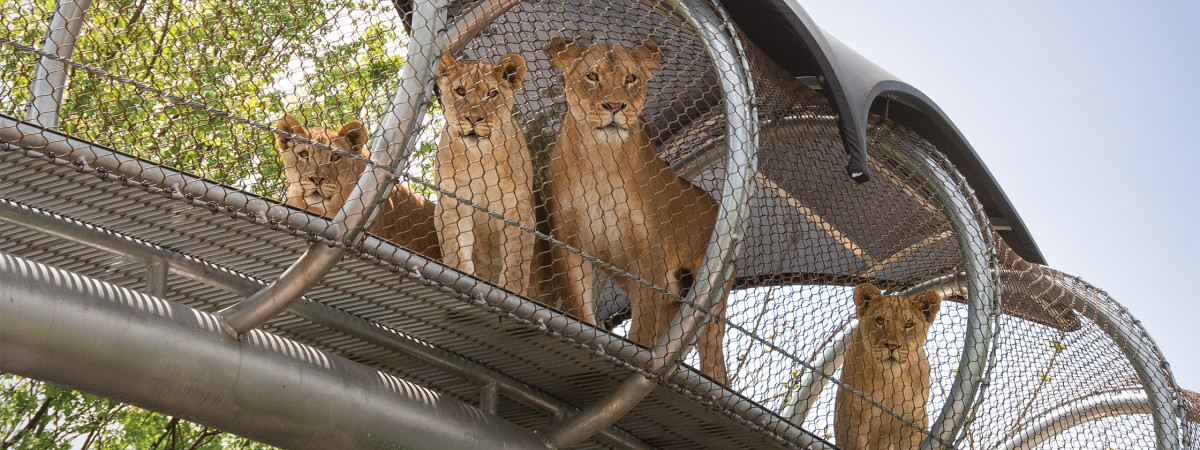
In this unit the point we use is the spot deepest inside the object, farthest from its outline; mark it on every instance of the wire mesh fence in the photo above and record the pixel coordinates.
(579, 153)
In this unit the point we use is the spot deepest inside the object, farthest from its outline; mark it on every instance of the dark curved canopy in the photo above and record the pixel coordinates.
(856, 88)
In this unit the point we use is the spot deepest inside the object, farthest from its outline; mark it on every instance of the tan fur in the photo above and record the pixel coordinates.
(320, 180)
(886, 362)
(482, 157)
(609, 195)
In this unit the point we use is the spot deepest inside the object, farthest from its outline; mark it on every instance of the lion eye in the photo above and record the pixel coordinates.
(303, 153)
(879, 320)
(592, 76)
(908, 324)
(334, 157)
(461, 91)
(631, 79)
(493, 93)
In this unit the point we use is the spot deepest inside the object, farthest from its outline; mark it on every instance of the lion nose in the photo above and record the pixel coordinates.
(316, 181)
(473, 120)
(613, 107)
(892, 347)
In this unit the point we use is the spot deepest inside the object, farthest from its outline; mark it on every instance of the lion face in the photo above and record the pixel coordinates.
(476, 96)
(894, 326)
(605, 84)
(318, 179)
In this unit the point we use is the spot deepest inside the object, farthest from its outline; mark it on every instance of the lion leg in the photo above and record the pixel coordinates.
(652, 311)
(712, 353)
(576, 289)
(518, 248)
(456, 235)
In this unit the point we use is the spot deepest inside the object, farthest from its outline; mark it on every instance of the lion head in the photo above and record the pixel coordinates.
(894, 326)
(477, 97)
(318, 179)
(605, 84)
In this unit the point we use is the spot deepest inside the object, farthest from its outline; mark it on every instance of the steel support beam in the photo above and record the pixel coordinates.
(398, 128)
(733, 72)
(1162, 394)
(978, 251)
(50, 76)
(68, 329)
(827, 361)
(1078, 412)
(232, 282)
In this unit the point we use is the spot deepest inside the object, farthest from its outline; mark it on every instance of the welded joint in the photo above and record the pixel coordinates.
(156, 277)
(489, 398)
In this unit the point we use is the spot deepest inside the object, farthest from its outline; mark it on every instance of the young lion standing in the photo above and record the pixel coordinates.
(612, 197)
(482, 157)
(886, 361)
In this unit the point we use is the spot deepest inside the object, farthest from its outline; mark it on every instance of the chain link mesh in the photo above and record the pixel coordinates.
(575, 154)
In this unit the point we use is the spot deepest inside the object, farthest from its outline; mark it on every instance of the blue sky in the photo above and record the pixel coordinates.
(1086, 113)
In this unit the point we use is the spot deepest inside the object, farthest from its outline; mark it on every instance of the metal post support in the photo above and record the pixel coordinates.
(811, 382)
(1161, 392)
(229, 281)
(72, 330)
(977, 248)
(156, 277)
(1067, 416)
(398, 127)
(732, 70)
(50, 76)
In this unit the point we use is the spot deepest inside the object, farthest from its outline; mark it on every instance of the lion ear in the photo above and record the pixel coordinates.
(864, 294)
(927, 304)
(356, 133)
(511, 68)
(648, 52)
(446, 63)
(563, 52)
(288, 124)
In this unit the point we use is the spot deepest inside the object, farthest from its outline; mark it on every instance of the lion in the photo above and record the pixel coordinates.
(319, 181)
(886, 362)
(482, 157)
(608, 194)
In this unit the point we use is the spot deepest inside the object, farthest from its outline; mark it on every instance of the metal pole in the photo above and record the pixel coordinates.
(50, 77)
(1078, 412)
(976, 248)
(1162, 393)
(732, 70)
(156, 277)
(229, 281)
(811, 383)
(72, 330)
(398, 127)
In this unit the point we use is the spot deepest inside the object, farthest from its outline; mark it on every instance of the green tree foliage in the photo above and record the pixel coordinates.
(326, 61)
(37, 415)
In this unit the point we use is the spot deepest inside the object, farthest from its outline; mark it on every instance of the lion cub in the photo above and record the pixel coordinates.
(482, 157)
(886, 361)
(320, 180)
(611, 196)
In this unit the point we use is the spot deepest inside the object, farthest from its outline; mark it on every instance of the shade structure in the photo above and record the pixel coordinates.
(827, 172)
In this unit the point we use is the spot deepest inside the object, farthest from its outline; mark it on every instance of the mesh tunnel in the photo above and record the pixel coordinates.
(579, 223)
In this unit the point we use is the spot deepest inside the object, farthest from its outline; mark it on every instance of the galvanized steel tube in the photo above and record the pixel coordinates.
(732, 70)
(827, 361)
(72, 330)
(977, 249)
(229, 281)
(50, 76)
(398, 127)
(1075, 413)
